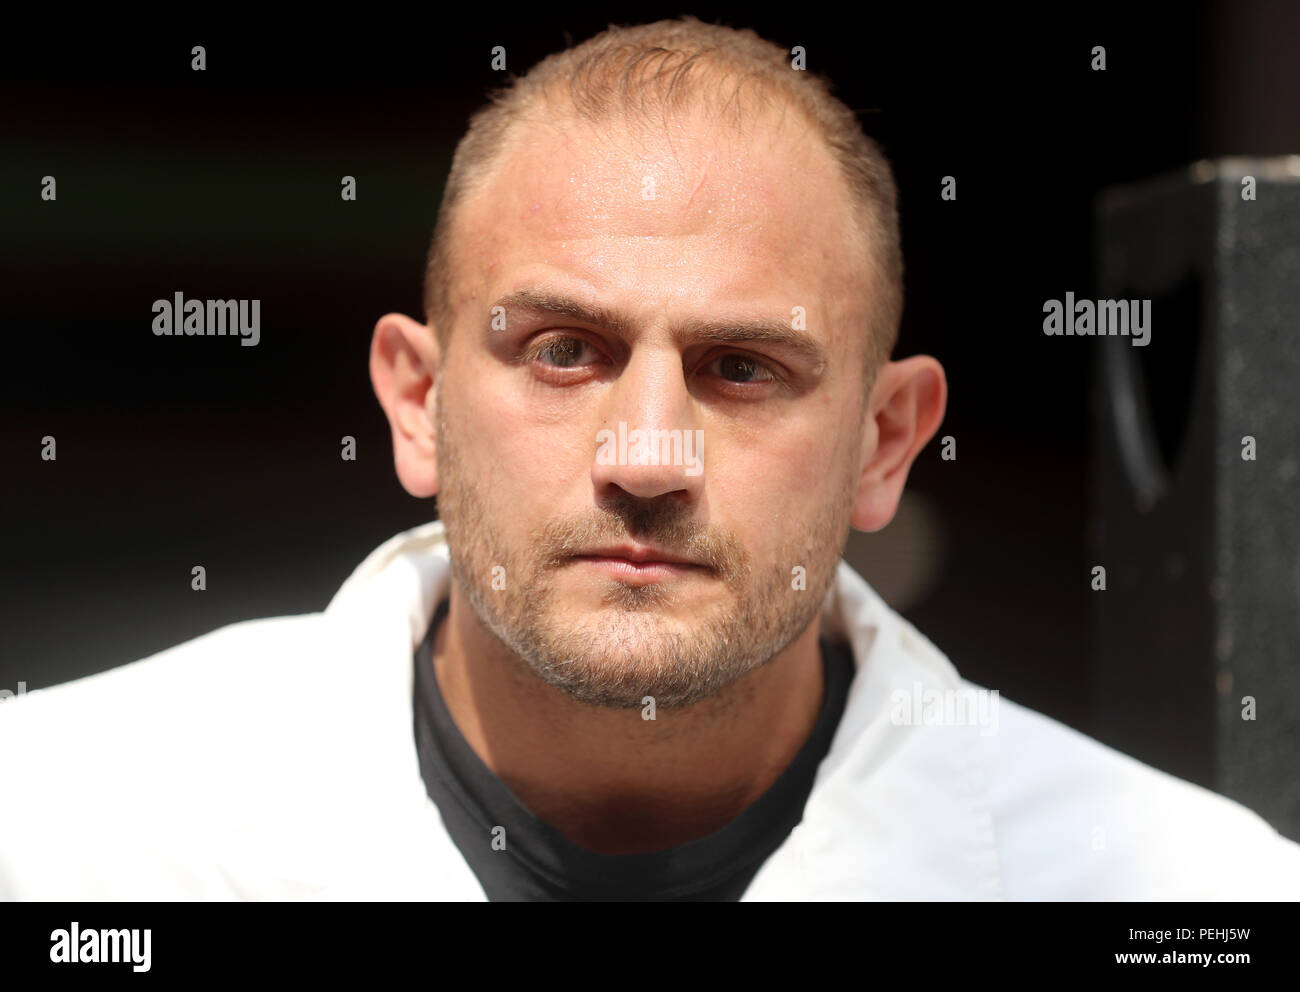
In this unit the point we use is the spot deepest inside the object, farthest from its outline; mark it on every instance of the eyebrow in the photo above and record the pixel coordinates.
(745, 330)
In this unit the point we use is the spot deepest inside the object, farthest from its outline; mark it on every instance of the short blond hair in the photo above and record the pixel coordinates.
(667, 66)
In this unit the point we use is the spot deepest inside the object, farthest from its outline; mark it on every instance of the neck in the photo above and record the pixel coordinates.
(607, 779)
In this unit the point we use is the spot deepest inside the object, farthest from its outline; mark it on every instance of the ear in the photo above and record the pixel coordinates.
(904, 411)
(404, 361)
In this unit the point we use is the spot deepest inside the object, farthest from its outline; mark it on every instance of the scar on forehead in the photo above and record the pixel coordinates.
(704, 174)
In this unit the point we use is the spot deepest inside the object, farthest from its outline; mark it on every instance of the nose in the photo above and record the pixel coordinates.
(648, 445)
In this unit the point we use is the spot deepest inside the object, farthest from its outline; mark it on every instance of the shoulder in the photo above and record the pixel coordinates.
(236, 667)
(1076, 819)
(110, 782)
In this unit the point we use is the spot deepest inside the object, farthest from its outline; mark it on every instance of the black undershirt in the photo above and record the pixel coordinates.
(539, 864)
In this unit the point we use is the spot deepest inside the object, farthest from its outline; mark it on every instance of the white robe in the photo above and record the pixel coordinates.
(275, 759)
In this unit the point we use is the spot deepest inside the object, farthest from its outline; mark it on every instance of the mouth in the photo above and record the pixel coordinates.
(635, 564)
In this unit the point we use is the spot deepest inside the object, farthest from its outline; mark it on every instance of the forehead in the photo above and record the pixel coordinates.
(681, 213)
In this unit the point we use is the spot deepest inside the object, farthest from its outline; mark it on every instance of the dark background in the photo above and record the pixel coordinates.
(225, 184)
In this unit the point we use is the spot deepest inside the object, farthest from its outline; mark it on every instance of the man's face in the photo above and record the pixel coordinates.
(686, 236)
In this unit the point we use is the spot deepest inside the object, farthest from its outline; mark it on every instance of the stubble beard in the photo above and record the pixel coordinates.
(632, 647)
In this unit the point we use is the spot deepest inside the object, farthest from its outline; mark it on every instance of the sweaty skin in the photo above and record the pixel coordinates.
(664, 238)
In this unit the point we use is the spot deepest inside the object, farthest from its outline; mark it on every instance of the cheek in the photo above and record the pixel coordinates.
(526, 456)
(788, 498)
(780, 466)
(770, 490)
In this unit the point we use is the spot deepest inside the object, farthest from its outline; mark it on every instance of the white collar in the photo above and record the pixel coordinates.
(896, 812)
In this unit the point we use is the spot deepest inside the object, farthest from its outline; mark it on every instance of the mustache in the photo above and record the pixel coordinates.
(660, 522)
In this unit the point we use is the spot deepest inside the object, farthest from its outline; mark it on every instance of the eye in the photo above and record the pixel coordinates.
(561, 351)
(742, 369)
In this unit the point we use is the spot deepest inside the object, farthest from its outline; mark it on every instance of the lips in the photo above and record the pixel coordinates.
(638, 564)
(638, 554)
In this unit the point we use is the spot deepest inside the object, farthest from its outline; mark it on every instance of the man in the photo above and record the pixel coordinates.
(652, 394)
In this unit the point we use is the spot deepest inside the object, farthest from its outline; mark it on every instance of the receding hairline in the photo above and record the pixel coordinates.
(552, 107)
(549, 114)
